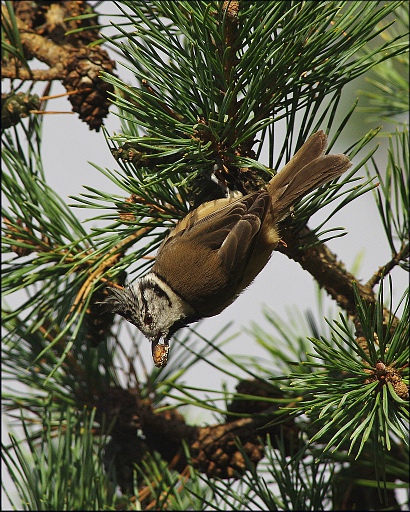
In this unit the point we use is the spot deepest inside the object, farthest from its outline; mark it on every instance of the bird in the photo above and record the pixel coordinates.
(216, 251)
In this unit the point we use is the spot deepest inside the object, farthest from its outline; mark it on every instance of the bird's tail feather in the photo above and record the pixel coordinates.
(308, 169)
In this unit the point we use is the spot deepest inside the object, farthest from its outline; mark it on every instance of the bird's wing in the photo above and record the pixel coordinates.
(230, 232)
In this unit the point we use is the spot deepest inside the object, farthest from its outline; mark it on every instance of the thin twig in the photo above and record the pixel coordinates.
(382, 271)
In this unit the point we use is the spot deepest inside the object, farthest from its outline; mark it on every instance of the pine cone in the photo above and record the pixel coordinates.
(216, 453)
(50, 19)
(16, 106)
(83, 74)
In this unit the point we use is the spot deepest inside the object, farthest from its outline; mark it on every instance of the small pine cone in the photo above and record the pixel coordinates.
(163, 432)
(121, 405)
(216, 454)
(257, 388)
(83, 75)
(143, 157)
(123, 454)
(17, 106)
(401, 389)
(79, 8)
(242, 405)
(50, 19)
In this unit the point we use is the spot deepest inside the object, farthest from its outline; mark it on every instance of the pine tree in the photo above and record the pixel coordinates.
(319, 423)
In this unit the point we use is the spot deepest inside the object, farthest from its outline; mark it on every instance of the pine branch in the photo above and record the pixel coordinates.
(61, 461)
(231, 70)
(384, 270)
(36, 75)
(329, 272)
(69, 60)
(388, 91)
(212, 448)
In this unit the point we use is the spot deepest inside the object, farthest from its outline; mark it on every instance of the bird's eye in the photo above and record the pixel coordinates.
(148, 319)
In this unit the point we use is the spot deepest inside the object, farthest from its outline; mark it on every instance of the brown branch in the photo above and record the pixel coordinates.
(43, 48)
(77, 65)
(382, 271)
(212, 448)
(329, 272)
(37, 75)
